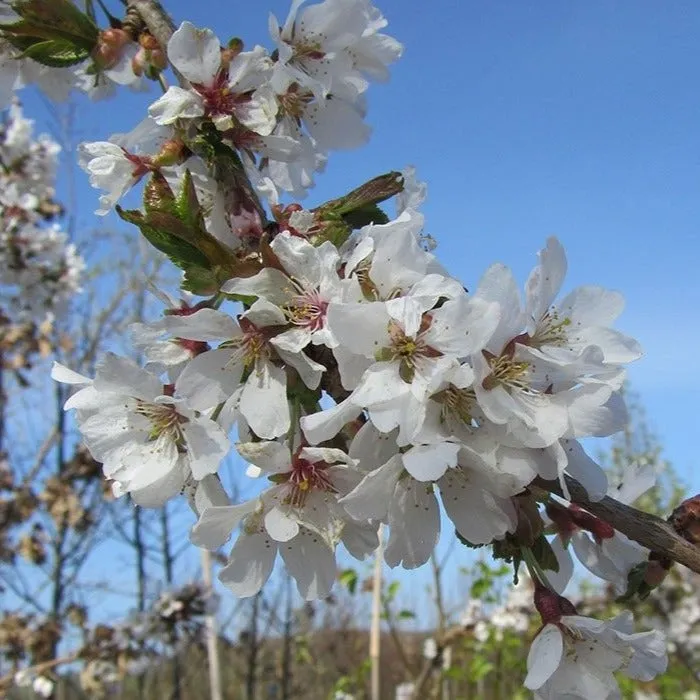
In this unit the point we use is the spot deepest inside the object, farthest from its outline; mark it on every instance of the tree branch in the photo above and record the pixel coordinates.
(646, 529)
(442, 641)
(156, 19)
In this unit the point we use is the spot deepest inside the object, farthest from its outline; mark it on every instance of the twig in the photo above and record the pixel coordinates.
(651, 532)
(41, 456)
(38, 669)
(396, 638)
(443, 641)
(159, 25)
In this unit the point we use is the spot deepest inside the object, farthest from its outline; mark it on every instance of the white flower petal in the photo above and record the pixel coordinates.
(429, 462)
(544, 657)
(205, 325)
(216, 524)
(250, 564)
(311, 563)
(371, 498)
(271, 457)
(207, 446)
(280, 526)
(196, 53)
(264, 401)
(414, 521)
(175, 104)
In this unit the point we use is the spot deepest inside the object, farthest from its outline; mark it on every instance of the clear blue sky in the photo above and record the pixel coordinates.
(528, 119)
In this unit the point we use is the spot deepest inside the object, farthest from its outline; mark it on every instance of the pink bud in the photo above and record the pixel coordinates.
(561, 517)
(655, 573)
(587, 521)
(547, 604)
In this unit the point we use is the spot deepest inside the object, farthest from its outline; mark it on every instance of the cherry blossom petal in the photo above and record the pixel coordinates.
(264, 401)
(250, 564)
(544, 657)
(311, 563)
(371, 498)
(207, 445)
(429, 462)
(272, 457)
(175, 104)
(280, 526)
(414, 520)
(196, 53)
(216, 524)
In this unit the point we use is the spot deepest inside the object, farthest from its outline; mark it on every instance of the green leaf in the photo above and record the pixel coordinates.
(188, 208)
(349, 579)
(391, 590)
(366, 214)
(480, 588)
(545, 555)
(636, 585)
(373, 192)
(480, 668)
(56, 53)
(182, 254)
(90, 10)
(406, 615)
(175, 226)
(57, 19)
(356, 209)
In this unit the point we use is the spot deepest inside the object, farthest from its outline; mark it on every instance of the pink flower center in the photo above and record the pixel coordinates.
(308, 310)
(142, 164)
(305, 477)
(219, 98)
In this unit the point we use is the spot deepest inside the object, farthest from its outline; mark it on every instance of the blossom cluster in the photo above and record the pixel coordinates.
(282, 111)
(117, 60)
(39, 269)
(358, 379)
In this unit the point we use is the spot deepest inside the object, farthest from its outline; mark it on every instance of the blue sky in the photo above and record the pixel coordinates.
(530, 119)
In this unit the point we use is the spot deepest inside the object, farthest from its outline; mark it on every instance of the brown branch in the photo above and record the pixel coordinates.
(41, 456)
(396, 639)
(159, 25)
(651, 532)
(156, 19)
(8, 680)
(450, 636)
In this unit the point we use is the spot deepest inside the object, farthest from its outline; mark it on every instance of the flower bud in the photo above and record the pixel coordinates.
(139, 62)
(685, 519)
(587, 521)
(655, 573)
(159, 60)
(110, 44)
(149, 42)
(234, 47)
(171, 153)
(117, 38)
(550, 605)
(561, 517)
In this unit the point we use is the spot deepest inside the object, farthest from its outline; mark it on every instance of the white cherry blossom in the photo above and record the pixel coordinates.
(305, 287)
(223, 89)
(252, 356)
(577, 656)
(298, 516)
(118, 164)
(148, 441)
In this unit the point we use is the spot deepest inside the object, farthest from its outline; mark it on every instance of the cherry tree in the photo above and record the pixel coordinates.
(329, 347)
